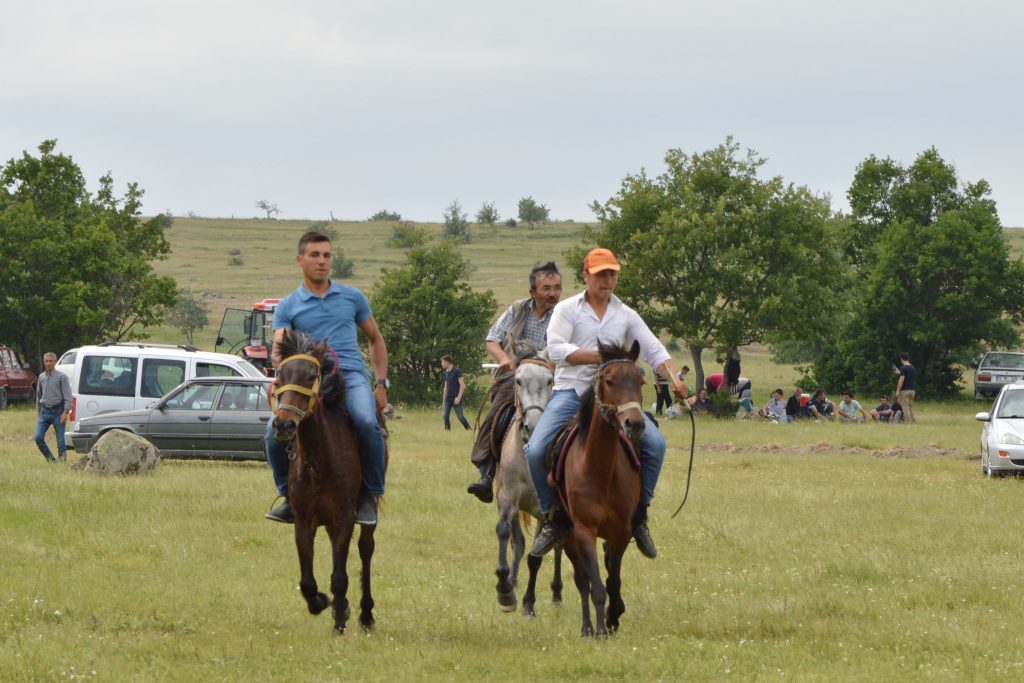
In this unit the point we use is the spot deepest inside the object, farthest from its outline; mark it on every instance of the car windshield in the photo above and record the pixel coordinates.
(1012, 405)
(1014, 361)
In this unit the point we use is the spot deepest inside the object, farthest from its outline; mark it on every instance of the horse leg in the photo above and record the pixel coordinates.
(340, 541)
(518, 550)
(316, 601)
(616, 607)
(556, 579)
(366, 547)
(530, 598)
(588, 574)
(506, 589)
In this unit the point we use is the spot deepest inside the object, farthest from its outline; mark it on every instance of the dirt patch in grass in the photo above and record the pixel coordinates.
(927, 450)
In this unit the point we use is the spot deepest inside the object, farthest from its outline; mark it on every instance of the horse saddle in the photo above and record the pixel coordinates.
(502, 420)
(559, 448)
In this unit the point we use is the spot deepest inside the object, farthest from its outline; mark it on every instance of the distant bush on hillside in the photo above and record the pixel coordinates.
(385, 215)
(406, 236)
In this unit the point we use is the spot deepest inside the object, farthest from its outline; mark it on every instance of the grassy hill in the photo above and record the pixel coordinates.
(203, 249)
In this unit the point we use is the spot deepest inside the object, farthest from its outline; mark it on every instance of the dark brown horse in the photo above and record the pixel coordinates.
(324, 476)
(601, 485)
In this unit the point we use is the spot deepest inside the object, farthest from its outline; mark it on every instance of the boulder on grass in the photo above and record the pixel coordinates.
(120, 452)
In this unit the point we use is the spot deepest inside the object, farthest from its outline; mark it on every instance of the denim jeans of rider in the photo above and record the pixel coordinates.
(563, 405)
(361, 406)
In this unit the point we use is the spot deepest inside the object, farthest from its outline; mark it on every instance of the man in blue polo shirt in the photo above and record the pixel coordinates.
(322, 309)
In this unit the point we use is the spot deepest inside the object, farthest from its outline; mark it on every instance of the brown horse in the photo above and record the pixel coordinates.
(601, 485)
(324, 476)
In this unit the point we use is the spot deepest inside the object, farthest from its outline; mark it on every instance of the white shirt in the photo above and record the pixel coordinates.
(574, 325)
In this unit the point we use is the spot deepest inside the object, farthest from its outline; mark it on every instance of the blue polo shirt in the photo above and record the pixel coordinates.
(333, 317)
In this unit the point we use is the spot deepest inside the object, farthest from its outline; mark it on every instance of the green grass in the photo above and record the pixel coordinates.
(501, 259)
(806, 552)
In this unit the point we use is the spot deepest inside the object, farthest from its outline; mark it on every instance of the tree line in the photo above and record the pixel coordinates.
(714, 255)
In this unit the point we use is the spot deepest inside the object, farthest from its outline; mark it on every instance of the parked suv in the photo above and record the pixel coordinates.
(995, 369)
(130, 376)
(17, 381)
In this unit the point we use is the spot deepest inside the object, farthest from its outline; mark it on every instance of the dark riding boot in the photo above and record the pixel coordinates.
(282, 513)
(642, 535)
(553, 531)
(483, 489)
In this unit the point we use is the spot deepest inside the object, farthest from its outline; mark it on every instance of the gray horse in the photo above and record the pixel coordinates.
(517, 501)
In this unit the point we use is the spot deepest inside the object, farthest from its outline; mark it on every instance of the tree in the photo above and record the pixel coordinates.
(76, 268)
(713, 254)
(426, 309)
(406, 235)
(531, 213)
(935, 276)
(487, 215)
(385, 215)
(456, 223)
(341, 265)
(268, 206)
(190, 314)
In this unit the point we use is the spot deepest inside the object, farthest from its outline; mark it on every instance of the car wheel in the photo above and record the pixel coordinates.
(3, 397)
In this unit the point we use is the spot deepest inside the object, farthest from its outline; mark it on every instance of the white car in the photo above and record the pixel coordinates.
(1002, 437)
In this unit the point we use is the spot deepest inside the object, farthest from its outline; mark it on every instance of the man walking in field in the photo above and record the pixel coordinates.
(453, 390)
(525, 320)
(327, 310)
(53, 403)
(577, 325)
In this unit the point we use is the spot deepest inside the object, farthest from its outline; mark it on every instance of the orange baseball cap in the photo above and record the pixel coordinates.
(600, 259)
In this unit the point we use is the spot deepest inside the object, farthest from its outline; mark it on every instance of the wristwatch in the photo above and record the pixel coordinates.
(385, 382)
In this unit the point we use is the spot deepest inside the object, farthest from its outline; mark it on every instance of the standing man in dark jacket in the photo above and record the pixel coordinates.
(53, 402)
(524, 320)
(905, 387)
(454, 388)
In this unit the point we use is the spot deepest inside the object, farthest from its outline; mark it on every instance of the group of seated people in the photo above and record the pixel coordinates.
(818, 407)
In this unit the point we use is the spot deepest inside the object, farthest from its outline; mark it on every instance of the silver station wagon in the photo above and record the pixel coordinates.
(221, 418)
(1002, 437)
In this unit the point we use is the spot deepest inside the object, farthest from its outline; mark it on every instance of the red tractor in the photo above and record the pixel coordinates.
(249, 333)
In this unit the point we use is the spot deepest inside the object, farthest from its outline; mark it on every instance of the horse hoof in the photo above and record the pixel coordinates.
(322, 602)
(339, 630)
(507, 601)
(367, 625)
(529, 612)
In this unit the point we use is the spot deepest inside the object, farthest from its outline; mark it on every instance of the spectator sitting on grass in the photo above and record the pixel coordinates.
(704, 404)
(821, 406)
(794, 406)
(848, 409)
(775, 409)
(746, 409)
(883, 411)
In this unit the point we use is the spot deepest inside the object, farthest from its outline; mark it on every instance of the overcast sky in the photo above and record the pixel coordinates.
(353, 107)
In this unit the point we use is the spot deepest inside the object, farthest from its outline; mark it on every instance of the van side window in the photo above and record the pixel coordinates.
(215, 370)
(108, 376)
(160, 375)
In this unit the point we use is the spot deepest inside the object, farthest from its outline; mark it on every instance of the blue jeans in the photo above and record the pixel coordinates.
(363, 409)
(49, 417)
(564, 404)
(449, 403)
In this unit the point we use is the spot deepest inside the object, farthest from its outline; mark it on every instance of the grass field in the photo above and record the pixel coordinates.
(501, 259)
(806, 552)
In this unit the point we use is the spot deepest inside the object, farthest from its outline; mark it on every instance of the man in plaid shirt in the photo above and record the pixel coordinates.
(524, 320)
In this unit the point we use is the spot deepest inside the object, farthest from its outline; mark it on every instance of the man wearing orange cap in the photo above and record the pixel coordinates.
(576, 326)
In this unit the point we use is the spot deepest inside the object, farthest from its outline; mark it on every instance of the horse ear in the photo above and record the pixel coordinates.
(634, 350)
(319, 350)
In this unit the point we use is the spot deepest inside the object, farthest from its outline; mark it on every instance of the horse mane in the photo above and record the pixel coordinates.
(332, 388)
(586, 414)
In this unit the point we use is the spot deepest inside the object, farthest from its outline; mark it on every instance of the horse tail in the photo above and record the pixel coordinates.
(526, 520)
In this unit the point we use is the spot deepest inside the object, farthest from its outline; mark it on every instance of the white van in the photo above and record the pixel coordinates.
(128, 376)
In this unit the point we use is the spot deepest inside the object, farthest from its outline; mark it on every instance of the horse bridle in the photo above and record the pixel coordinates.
(519, 407)
(608, 410)
(312, 393)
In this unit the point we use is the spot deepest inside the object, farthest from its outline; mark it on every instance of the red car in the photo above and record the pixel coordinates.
(17, 381)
